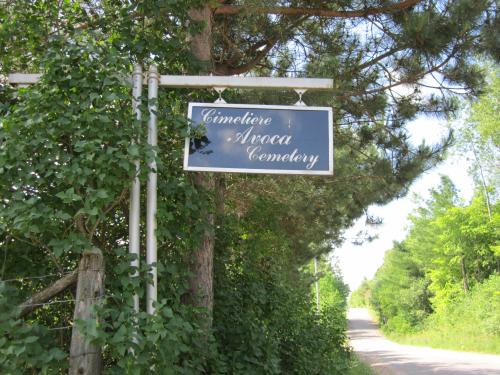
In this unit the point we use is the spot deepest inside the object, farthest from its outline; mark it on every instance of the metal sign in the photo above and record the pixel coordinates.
(260, 139)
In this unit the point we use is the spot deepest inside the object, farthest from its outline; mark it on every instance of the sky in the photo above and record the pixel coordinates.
(357, 262)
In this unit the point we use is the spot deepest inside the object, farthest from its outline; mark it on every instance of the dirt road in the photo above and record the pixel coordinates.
(389, 358)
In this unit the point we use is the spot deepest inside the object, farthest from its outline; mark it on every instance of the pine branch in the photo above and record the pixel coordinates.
(380, 57)
(319, 12)
(410, 80)
(259, 50)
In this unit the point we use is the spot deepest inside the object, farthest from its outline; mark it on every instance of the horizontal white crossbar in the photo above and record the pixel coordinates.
(214, 81)
(246, 82)
(23, 78)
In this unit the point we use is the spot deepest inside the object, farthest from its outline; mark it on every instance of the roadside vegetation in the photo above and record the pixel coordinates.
(440, 287)
(428, 292)
(469, 324)
(359, 367)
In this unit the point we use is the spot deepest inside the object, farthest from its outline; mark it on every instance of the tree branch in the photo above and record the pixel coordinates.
(38, 299)
(107, 210)
(226, 70)
(378, 58)
(320, 12)
(410, 80)
(258, 50)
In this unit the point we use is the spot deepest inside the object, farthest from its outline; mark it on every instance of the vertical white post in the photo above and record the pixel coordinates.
(317, 283)
(151, 246)
(135, 190)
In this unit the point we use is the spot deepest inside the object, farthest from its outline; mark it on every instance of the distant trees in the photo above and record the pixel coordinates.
(449, 250)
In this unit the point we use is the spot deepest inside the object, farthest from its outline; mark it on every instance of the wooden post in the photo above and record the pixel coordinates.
(85, 359)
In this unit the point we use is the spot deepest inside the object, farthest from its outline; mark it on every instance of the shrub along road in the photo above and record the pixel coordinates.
(389, 358)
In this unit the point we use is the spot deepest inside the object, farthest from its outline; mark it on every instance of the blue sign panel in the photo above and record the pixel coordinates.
(260, 139)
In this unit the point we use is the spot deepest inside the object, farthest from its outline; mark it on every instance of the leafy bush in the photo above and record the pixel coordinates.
(263, 325)
(173, 339)
(23, 346)
(474, 316)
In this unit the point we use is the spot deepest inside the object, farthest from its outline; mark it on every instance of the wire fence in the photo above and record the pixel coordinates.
(26, 278)
(62, 301)
(59, 328)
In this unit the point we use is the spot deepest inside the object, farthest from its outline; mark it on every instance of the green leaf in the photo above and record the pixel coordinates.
(69, 196)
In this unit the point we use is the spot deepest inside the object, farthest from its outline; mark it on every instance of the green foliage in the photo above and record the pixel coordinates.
(66, 162)
(449, 249)
(468, 324)
(479, 137)
(23, 346)
(484, 111)
(316, 345)
(333, 291)
(439, 287)
(66, 149)
(466, 239)
(265, 319)
(399, 292)
(477, 311)
(172, 340)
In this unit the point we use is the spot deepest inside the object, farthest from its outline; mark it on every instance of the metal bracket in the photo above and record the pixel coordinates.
(220, 90)
(300, 92)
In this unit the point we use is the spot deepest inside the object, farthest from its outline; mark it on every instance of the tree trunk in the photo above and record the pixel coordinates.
(483, 180)
(201, 292)
(464, 274)
(201, 281)
(201, 43)
(320, 12)
(220, 193)
(86, 358)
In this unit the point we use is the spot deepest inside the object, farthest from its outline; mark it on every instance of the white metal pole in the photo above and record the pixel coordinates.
(151, 246)
(135, 189)
(316, 282)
